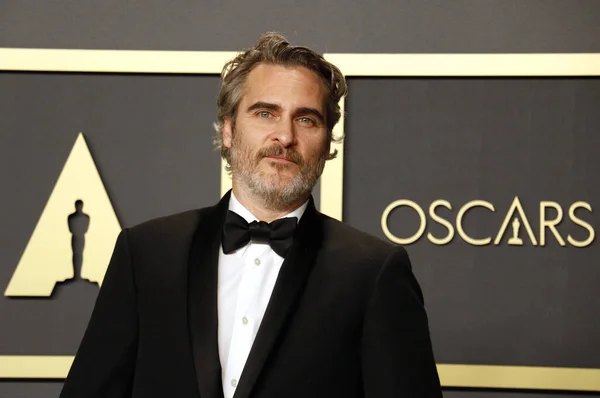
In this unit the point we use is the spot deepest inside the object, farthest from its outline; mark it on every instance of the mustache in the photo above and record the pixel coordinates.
(277, 150)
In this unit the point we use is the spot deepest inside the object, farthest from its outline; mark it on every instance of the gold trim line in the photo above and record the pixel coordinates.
(470, 376)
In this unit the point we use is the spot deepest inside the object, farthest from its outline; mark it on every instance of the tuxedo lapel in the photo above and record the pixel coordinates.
(288, 288)
(203, 314)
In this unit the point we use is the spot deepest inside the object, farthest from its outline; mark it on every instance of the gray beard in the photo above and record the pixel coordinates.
(271, 196)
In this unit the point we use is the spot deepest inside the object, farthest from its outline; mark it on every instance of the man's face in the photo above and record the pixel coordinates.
(279, 139)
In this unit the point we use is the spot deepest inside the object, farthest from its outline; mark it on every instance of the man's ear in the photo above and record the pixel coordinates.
(227, 132)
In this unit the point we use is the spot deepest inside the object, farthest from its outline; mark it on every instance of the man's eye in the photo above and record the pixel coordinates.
(306, 120)
(264, 114)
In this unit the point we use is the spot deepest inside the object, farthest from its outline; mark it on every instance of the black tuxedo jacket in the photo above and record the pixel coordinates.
(345, 319)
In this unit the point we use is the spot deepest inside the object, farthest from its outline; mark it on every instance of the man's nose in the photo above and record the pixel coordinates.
(285, 132)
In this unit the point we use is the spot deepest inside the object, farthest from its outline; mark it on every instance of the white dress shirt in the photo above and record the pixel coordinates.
(246, 280)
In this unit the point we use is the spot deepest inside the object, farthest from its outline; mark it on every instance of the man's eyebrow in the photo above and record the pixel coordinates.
(264, 105)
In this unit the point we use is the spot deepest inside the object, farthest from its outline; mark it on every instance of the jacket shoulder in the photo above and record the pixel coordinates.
(167, 230)
(344, 238)
(360, 256)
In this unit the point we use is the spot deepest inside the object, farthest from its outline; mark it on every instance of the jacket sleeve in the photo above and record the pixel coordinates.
(105, 360)
(397, 354)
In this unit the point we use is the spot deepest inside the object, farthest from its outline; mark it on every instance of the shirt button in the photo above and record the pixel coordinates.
(257, 261)
(233, 382)
(245, 320)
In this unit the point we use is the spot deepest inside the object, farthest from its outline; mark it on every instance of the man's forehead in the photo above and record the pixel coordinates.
(278, 84)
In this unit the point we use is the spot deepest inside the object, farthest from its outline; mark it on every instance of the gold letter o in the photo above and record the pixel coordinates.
(388, 210)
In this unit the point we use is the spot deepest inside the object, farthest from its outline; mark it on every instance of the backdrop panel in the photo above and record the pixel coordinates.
(150, 138)
(521, 147)
(388, 26)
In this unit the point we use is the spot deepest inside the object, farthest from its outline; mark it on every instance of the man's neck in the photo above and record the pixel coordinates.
(259, 210)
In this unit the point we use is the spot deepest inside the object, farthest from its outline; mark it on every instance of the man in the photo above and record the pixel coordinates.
(260, 295)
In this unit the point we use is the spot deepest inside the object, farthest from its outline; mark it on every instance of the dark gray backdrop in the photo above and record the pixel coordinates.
(488, 139)
(153, 148)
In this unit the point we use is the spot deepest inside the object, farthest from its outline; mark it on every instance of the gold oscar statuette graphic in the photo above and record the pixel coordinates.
(78, 196)
(515, 240)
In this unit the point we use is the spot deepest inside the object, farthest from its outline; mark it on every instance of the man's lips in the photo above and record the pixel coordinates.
(280, 158)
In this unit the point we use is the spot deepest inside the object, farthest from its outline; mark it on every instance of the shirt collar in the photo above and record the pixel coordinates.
(237, 207)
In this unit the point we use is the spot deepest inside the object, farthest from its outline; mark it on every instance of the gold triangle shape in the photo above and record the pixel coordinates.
(48, 256)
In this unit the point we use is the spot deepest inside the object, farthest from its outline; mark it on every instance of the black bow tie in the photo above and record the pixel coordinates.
(278, 234)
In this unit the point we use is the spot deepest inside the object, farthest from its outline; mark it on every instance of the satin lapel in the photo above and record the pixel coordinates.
(203, 315)
(288, 289)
